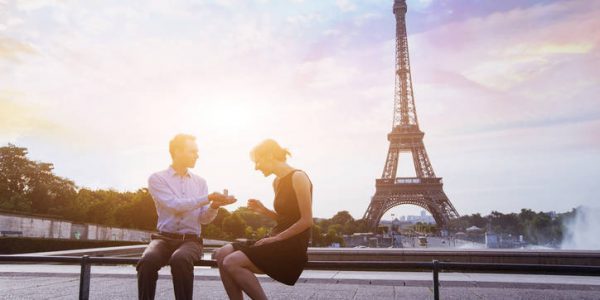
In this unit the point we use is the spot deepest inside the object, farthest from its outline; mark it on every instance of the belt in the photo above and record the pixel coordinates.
(177, 236)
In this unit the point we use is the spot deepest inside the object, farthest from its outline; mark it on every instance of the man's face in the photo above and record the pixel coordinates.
(188, 154)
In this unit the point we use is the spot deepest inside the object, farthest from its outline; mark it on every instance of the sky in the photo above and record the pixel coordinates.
(505, 91)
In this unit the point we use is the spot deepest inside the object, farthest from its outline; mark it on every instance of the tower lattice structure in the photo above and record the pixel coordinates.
(424, 190)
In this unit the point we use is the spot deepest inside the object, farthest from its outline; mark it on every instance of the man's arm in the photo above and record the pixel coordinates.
(164, 196)
(208, 212)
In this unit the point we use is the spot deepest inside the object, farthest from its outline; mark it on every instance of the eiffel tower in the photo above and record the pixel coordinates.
(425, 190)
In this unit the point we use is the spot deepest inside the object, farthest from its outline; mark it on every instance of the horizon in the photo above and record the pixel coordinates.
(506, 93)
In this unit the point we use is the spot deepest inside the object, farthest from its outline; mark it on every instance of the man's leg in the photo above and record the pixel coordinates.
(182, 268)
(155, 256)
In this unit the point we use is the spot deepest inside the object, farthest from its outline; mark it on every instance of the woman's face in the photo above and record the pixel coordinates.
(264, 164)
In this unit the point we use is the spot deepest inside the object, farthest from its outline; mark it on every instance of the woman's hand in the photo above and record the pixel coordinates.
(256, 206)
(265, 241)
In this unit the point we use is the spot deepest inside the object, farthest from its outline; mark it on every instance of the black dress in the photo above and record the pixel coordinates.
(283, 260)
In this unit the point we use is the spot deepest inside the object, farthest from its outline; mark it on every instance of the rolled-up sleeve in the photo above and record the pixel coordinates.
(165, 197)
(207, 214)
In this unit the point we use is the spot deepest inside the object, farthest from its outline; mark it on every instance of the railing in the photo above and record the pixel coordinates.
(410, 180)
(434, 266)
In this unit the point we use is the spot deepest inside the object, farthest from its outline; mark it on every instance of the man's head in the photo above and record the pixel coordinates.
(184, 150)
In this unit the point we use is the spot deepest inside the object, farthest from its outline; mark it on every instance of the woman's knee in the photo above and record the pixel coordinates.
(222, 253)
(230, 262)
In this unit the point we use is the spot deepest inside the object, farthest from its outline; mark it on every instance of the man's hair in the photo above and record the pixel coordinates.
(178, 142)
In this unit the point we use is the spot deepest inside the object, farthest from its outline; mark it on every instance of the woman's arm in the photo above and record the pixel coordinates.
(258, 207)
(301, 185)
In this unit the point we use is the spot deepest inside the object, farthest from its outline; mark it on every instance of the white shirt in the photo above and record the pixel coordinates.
(181, 201)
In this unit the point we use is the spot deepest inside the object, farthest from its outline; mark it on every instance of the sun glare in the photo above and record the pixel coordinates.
(227, 115)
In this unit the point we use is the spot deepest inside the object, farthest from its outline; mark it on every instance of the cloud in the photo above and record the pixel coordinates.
(365, 18)
(30, 5)
(13, 50)
(345, 5)
(124, 79)
(305, 19)
(17, 119)
(326, 73)
(497, 69)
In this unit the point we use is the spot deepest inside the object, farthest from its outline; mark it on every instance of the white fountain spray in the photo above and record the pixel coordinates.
(582, 232)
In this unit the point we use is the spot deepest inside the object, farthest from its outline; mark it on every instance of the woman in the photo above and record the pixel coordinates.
(281, 255)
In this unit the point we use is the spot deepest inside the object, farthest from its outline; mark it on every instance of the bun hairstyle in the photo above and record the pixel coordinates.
(269, 147)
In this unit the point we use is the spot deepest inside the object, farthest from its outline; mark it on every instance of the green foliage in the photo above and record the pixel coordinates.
(253, 219)
(317, 236)
(536, 227)
(31, 187)
(343, 217)
(234, 226)
(425, 228)
(212, 231)
(261, 232)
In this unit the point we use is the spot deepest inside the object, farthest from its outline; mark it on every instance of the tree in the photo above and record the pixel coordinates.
(137, 211)
(505, 223)
(13, 181)
(333, 237)
(253, 219)
(317, 236)
(211, 231)
(234, 226)
(261, 232)
(249, 232)
(222, 213)
(30, 186)
(342, 217)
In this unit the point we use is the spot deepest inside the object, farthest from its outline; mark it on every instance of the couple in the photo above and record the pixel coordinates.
(183, 204)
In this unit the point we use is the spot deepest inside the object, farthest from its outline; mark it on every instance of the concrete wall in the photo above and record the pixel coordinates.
(37, 227)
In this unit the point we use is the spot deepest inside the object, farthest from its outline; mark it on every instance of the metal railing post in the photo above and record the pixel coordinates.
(84, 279)
(436, 280)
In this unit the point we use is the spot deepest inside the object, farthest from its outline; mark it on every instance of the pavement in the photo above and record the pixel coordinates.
(48, 281)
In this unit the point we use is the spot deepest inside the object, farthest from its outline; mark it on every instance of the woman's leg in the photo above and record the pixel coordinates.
(233, 290)
(242, 271)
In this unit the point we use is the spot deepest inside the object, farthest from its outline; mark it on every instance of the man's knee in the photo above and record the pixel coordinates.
(181, 262)
(149, 262)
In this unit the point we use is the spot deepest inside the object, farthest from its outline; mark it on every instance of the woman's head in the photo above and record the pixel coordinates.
(267, 154)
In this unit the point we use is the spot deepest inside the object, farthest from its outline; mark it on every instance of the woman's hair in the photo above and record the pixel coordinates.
(269, 146)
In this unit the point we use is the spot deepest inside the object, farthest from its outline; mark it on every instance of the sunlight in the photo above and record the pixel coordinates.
(229, 115)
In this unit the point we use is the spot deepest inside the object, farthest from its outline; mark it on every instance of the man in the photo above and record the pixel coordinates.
(183, 204)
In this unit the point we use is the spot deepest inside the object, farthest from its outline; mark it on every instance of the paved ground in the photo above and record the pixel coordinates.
(19, 281)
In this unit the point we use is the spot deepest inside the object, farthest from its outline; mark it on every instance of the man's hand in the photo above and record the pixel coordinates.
(218, 200)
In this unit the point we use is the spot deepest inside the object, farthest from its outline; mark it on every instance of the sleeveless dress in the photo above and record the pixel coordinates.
(284, 260)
